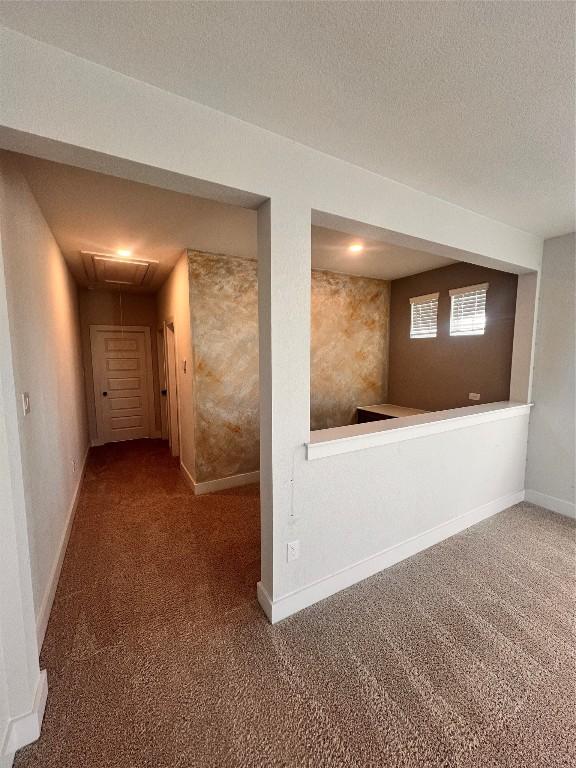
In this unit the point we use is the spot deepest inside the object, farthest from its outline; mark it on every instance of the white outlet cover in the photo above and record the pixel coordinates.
(473, 396)
(292, 551)
(26, 403)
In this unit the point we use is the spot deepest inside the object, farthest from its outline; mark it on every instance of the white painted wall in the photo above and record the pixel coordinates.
(67, 109)
(174, 305)
(46, 354)
(551, 460)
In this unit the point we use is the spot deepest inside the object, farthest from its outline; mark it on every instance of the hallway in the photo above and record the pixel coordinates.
(147, 562)
(158, 655)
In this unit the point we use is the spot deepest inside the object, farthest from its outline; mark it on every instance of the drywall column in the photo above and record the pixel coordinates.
(284, 285)
(524, 338)
(23, 686)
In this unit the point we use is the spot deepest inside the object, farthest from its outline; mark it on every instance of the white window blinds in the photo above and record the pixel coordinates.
(424, 316)
(468, 310)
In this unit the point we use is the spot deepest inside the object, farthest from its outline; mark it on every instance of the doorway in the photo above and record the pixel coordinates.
(123, 394)
(172, 388)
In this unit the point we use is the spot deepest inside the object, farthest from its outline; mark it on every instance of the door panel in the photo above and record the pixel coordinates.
(122, 375)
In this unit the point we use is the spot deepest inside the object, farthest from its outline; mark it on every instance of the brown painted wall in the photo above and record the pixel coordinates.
(348, 359)
(435, 374)
(103, 308)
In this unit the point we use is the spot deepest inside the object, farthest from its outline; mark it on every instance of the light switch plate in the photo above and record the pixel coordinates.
(25, 403)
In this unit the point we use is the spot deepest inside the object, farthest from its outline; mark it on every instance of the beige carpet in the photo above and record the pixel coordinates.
(159, 656)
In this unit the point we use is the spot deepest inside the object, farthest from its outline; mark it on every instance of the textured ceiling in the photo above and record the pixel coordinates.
(470, 101)
(89, 211)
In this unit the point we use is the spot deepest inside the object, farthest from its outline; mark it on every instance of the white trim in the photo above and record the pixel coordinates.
(554, 504)
(285, 606)
(188, 476)
(221, 483)
(424, 299)
(24, 729)
(469, 289)
(359, 437)
(48, 600)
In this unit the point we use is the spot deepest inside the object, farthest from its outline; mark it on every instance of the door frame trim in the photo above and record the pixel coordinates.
(169, 325)
(149, 375)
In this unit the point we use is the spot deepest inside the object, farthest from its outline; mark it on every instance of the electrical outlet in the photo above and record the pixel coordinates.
(292, 551)
(473, 396)
(73, 466)
(26, 403)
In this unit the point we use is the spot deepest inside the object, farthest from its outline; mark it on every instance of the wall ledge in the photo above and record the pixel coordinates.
(359, 437)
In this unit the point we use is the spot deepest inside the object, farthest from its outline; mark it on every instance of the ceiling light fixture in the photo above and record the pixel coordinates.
(356, 248)
(124, 252)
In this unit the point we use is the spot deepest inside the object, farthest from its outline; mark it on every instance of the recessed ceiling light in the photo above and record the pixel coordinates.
(356, 248)
(124, 252)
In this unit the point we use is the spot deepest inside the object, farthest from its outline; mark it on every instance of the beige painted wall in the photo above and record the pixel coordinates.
(46, 353)
(112, 308)
(173, 304)
(348, 358)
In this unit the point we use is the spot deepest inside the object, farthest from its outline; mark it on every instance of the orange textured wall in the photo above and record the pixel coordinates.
(349, 356)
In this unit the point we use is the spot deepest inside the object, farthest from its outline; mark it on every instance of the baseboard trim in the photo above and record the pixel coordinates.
(554, 504)
(187, 476)
(46, 607)
(24, 729)
(221, 483)
(287, 605)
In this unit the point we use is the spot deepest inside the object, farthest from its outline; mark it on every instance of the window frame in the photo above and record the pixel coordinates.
(474, 329)
(427, 298)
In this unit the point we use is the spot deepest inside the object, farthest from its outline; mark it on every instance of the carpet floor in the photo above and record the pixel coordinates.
(158, 654)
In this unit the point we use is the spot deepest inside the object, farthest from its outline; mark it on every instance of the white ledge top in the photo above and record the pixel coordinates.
(358, 437)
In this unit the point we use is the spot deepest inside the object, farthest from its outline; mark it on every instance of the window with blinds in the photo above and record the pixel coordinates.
(468, 310)
(424, 316)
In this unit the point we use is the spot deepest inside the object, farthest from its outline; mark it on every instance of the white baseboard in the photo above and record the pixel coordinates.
(562, 507)
(46, 607)
(221, 483)
(24, 729)
(188, 476)
(285, 606)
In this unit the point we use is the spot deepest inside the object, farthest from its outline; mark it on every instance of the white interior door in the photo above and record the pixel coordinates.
(121, 363)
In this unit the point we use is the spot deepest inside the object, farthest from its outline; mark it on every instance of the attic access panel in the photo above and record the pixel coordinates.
(112, 270)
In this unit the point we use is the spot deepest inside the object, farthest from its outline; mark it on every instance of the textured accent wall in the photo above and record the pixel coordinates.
(349, 356)
(349, 347)
(224, 316)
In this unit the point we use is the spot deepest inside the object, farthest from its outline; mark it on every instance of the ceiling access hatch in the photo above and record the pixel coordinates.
(102, 268)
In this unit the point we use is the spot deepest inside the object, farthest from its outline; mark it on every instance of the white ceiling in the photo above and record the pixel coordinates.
(89, 211)
(470, 101)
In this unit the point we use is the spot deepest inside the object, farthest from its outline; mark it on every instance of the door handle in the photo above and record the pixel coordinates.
(104, 394)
